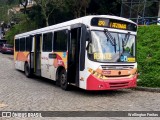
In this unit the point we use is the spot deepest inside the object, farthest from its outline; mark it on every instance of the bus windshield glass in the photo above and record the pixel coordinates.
(120, 49)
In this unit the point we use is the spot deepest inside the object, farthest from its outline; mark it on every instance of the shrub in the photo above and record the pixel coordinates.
(148, 54)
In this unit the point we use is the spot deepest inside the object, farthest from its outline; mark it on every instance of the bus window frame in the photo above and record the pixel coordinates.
(42, 42)
(68, 34)
(18, 44)
(31, 43)
(24, 44)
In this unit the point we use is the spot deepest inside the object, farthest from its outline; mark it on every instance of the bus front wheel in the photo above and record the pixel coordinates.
(27, 70)
(63, 80)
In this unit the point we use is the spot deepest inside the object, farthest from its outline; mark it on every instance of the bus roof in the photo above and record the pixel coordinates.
(85, 20)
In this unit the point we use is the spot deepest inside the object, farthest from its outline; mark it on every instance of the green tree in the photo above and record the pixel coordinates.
(35, 14)
(48, 7)
(104, 7)
(24, 25)
(12, 2)
(78, 7)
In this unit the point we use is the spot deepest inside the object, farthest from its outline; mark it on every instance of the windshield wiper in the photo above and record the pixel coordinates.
(125, 41)
(110, 38)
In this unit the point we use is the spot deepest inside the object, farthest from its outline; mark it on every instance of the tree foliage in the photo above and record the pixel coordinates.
(78, 7)
(23, 26)
(49, 12)
(48, 7)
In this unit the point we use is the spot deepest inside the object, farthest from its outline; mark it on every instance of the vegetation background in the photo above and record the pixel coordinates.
(49, 12)
(148, 54)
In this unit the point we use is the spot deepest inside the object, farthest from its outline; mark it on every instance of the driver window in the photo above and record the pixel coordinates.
(90, 48)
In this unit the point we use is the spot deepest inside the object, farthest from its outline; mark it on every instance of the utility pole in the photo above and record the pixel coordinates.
(144, 10)
(130, 10)
(158, 23)
(121, 8)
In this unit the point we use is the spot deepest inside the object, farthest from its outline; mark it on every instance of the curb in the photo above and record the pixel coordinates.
(148, 89)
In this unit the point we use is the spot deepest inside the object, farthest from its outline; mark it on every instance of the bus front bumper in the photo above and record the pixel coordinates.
(110, 84)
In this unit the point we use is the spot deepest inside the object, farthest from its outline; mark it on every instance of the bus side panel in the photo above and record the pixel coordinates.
(83, 75)
(20, 59)
(45, 65)
(52, 69)
(48, 70)
(60, 60)
(49, 65)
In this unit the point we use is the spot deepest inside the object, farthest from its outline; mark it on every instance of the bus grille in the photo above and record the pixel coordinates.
(117, 67)
(117, 76)
(118, 85)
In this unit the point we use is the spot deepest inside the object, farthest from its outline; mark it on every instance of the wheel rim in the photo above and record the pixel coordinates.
(63, 79)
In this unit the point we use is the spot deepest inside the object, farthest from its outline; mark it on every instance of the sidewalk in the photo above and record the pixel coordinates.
(148, 89)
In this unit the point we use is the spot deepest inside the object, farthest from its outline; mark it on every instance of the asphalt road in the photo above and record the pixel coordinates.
(19, 93)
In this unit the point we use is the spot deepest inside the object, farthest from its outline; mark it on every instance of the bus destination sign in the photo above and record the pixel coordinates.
(103, 22)
(118, 25)
(112, 23)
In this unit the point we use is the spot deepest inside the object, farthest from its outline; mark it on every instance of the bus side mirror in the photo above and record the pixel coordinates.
(87, 36)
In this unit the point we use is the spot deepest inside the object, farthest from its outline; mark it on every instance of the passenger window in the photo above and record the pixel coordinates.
(22, 44)
(60, 40)
(47, 42)
(28, 44)
(16, 44)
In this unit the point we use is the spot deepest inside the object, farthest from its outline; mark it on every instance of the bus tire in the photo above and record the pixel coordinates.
(63, 80)
(27, 70)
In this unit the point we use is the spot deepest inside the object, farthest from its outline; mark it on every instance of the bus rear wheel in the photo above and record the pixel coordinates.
(27, 70)
(63, 80)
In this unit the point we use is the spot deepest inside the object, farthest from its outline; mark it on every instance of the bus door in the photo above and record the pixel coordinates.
(46, 56)
(76, 53)
(73, 56)
(37, 54)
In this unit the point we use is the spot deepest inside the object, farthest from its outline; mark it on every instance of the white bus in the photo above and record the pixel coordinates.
(96, 52)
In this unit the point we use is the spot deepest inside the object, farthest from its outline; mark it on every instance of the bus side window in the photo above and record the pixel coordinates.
(16, 44)
(47, 42)
(28, 44)
(60, 41)
(22, 44)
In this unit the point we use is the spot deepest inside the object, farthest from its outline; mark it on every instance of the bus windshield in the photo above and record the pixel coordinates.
(120, 49)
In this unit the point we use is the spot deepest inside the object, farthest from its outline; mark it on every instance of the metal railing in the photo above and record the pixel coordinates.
(146, 20)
